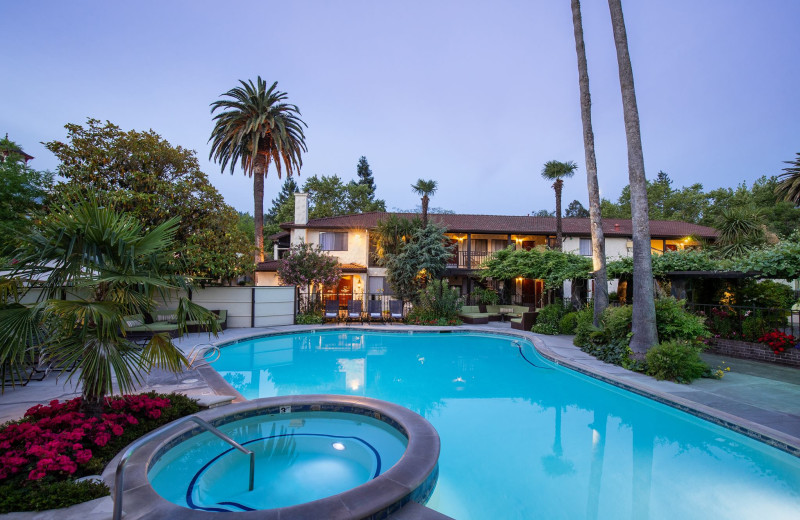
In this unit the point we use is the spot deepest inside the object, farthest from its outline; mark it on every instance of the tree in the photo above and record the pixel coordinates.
(645, 333)
(557, 171)
(789, 187)
(391, 235)
(424, 188)
(600, 295)
(112, 267)
(543, 213)
(22, 192)
(576, 210)
(288, 189)
(740, 231)
(306, 265)
(422, 258)
(367, 196)
(257, 127)
(143, 175)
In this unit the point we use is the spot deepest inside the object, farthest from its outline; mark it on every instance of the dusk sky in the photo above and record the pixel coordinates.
(475, 95)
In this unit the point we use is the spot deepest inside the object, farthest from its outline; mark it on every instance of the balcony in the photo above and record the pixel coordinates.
(468, 259)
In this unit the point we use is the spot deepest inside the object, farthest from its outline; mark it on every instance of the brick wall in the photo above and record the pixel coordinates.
(754, 351)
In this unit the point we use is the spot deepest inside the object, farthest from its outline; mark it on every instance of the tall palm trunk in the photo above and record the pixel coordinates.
(425, 201)
(258, 204)
(558, 186)
(645, 334)
(600, 293)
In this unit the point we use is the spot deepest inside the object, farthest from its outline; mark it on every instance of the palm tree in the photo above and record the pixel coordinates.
(600, 293)
(424, 188)
(557, 171)
(789, 187)
(111, 267)
(645, 334)
(740, 229)
(255, 129)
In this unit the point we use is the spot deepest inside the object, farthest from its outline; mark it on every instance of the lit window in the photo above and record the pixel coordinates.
(333, 241)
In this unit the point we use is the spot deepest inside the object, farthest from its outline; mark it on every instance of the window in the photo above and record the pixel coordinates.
(586, 247)
(378, 285)
(333, 241)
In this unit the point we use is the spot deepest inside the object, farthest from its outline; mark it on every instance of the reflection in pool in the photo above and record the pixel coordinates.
(523, 438)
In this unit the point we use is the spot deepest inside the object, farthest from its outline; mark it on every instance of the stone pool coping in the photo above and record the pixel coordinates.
(412, 478)
(640, 384)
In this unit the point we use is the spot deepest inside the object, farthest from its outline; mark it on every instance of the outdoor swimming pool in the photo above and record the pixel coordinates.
(524, 438)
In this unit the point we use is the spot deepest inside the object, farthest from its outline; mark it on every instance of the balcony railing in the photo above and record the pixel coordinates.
(469, 259)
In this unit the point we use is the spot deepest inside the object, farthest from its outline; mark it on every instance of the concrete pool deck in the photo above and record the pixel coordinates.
(755, 397)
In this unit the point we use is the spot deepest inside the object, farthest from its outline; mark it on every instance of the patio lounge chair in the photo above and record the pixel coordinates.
(396, 310)
(354, 311)
(331, 310)
(375, 310)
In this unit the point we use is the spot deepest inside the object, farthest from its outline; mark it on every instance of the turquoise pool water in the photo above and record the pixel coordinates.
(523, 438)
(309, 456)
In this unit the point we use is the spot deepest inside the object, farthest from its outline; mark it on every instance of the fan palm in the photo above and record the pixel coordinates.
(424, 188)
(257, 127)
(789, 187)
(645, 333)
(110, 267)
(557, 171)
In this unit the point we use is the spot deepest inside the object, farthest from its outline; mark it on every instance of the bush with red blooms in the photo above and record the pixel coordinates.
(57, 442)
(778, 341)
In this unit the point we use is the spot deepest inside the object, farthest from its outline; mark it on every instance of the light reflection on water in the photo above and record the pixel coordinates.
(525, 442)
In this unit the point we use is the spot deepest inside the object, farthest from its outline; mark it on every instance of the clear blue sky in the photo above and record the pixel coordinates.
(476, 95)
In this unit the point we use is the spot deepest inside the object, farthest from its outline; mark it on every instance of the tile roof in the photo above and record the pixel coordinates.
(518, 225)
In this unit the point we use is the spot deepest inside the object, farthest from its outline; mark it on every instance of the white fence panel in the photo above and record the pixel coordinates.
(246, 306)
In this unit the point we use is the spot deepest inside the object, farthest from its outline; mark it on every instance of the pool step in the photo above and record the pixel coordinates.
(414, 511)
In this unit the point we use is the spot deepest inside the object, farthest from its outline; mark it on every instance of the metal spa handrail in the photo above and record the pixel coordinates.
(120, 473)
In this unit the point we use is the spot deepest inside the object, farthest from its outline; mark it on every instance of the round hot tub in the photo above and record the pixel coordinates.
(314, 457)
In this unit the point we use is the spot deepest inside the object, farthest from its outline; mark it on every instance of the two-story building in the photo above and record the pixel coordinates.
(475, 238)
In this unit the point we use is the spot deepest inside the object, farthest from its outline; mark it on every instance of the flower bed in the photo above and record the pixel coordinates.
(754, 351)
(42, 454)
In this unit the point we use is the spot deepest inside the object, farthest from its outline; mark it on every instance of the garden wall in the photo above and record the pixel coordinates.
(246, 306)
(754, 351)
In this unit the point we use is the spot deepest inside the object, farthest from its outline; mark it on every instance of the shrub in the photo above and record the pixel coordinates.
(438, 304)
(551, 314)
(766, 293)
(568, 323)
(439, 300)
(676, 361)
(481, 296)
(545, 328)
(49, 495)
(309, 318)
(584, 326)
(54, 444)
(617, 324)
(674, 322)
(754, 327)
(617, 353)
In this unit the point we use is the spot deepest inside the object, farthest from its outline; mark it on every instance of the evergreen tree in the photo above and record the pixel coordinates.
(287, 192)
(365, 174)
(362, 192)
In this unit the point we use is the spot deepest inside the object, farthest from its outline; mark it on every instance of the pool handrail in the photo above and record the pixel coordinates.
(120, 472)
